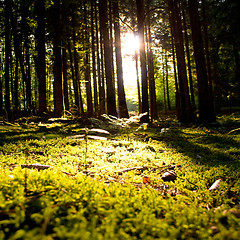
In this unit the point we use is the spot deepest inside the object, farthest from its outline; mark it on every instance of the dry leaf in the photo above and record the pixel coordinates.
(146, 180)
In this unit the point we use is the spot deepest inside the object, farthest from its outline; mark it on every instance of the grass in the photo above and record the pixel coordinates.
(103, 196)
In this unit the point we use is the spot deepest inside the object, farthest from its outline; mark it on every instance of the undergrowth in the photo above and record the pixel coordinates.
(102, 194)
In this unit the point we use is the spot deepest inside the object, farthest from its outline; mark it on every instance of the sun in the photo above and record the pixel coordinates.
(130, 43)
(130, 46)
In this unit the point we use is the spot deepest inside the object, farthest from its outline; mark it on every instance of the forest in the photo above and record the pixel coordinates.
(119, 119)
(89, 58)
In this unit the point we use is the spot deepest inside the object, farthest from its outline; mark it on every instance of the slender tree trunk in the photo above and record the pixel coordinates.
(1, 86)
(103, 104)
(15, 89)
(206, 106)
(100, 68)
(7, 58)
(140, 19)
(57, 65)
(122, 105)
(167, 82)
(163, 84)
(65, 79)
(41, 53)
(93, 38)
(152, 90)
(207, 51)
(18, 54)
(188, 58)
(186, 114)
(111, 98)
(73, 77)
(87, 66)
(138, 82)
(25, 28)
(177, 98)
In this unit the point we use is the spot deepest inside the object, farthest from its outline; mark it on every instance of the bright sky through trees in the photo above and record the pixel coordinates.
(129, 45)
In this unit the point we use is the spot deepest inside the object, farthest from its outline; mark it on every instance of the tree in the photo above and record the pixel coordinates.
(122, 105)
(87, 64)
(94, 70)
(111, 98)
(152, 90)
(57, 65)
(206, 107)
(140, 19)
(7, 58)
(186, 113)
(41, 53)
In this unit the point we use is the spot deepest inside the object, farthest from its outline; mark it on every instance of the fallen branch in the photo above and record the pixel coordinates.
(37, 166)
(171, 167)
(132, 169)
(234, 130)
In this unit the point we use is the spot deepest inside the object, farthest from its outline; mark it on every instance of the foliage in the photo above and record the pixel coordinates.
(106, 198)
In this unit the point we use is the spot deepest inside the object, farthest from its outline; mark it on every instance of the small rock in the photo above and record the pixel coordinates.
(169, 176)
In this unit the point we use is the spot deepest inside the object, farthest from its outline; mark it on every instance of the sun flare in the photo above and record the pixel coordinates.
(130, 44)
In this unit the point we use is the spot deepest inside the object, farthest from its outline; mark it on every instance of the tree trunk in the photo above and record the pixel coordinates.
(26, 43)
(188, 58)
(15, 89)
(87, 66)
(41, 53)
(57, 65)
(100, 68)
(140, 19)
(65, 79)
(167, 82)
(96, 106)
(7, 58)
(152, 90)
(186, 114)
(122, 105)
(1, 87)
(206, 107)
(111, 98)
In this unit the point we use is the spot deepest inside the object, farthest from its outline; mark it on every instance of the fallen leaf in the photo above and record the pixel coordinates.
(146, 180)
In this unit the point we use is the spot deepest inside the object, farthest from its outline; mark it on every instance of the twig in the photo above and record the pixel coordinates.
(132, 169)
(234, 130)
(37, 166)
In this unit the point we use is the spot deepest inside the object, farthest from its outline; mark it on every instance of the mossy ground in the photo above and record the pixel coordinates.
(102, 198)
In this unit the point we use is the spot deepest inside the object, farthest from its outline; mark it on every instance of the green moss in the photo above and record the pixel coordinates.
(98, 200)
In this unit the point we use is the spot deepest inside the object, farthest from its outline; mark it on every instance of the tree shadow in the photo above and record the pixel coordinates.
(204, 148)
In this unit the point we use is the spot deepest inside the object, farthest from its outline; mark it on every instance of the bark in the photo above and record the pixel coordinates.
(111, 98)
(87, 66)
(93, 38)
(1, 87)
(65, 79)
(100, 67)
(152, 90)
(206, 106)
(122, 105)
(207, 51)
(25, 29)
(140, 19)
(7, 58)
(188, 58)
(186, 113)
(41, 53)
(57, 65)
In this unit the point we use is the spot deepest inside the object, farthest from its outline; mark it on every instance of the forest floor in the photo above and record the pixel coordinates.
(95, 179)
